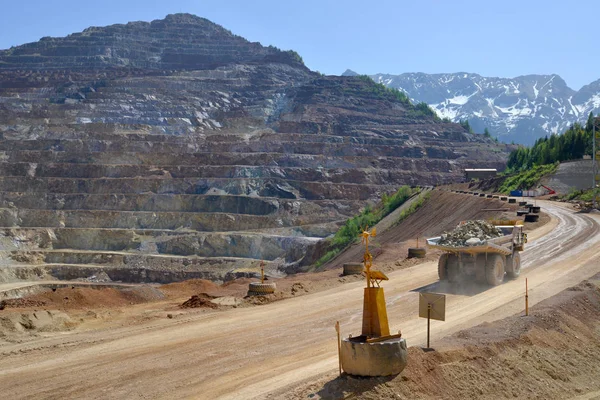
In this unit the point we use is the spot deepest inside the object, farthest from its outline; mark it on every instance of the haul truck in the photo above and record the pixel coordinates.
(487, 262)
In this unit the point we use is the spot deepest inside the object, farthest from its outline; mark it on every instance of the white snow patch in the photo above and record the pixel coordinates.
(445, 112)
(460, 100)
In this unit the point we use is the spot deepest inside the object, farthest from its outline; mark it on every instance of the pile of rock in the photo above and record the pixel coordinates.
(201, 300)
(471, 233)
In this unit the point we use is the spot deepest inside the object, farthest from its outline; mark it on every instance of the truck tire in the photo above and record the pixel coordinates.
(494, 269)
(452, 269)
(442, 267)
(513, 265)
(257, 288)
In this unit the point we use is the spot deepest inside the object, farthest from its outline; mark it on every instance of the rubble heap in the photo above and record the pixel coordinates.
(201, 300)
(471, 233)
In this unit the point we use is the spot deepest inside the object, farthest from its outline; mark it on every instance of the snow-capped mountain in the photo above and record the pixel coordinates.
(520, 109)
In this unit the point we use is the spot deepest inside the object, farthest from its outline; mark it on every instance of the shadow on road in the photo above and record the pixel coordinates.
(349, 387)
(465, 288)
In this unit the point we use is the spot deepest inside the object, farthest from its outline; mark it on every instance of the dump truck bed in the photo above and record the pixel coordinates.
(501, 244)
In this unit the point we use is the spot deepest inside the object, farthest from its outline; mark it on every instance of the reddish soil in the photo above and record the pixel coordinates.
(19, 303)
(89, 298)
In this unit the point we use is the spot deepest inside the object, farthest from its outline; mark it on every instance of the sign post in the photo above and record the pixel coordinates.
(432, 306)
(337, 329)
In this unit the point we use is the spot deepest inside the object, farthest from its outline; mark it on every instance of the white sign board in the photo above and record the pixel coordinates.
(435, 304)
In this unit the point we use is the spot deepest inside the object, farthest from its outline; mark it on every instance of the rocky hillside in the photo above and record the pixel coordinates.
(520, 109)
(174, 149)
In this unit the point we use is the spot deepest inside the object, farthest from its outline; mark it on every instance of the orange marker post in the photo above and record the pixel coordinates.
(526, 299)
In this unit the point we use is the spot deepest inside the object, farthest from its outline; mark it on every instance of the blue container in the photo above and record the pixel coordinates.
(516, 193)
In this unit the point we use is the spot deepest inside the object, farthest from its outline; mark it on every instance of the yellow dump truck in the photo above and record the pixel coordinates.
(485, 262)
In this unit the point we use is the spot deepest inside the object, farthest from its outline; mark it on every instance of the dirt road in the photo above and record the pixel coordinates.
(260, 351)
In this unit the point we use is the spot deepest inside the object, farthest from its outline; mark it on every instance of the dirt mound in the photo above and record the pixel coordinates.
(470, 233)
(20, 303)
(178, 290)
(85, 298)
(201, 300)
(14, 325)
(190, 287)
(551, 354)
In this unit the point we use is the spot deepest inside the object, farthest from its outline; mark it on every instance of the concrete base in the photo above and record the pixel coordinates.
(374, 359)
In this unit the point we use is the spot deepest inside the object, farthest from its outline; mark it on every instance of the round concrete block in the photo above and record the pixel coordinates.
(352, 268)
(416, 252)
(374, 359)
(532, 217)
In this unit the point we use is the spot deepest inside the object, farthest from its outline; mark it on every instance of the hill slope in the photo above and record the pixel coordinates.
(180, 150)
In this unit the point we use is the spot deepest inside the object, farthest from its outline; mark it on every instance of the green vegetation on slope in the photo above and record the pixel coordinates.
(384, 92)
(349, 232)
(573, 144)
(413, 207)
(380, 90)
(582, 195)
(526, 179)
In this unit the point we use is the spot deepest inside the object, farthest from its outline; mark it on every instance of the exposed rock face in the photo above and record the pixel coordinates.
(176, 146)
(180, 41)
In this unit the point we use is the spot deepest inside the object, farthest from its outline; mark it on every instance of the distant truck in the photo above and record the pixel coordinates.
(487, 262)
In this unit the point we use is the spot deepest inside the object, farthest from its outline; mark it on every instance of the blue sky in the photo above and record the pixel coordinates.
(493, 38)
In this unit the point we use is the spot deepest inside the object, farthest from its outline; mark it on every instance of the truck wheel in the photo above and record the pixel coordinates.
(494, 269)
(442, 267)
(452, 268)
(513, 265)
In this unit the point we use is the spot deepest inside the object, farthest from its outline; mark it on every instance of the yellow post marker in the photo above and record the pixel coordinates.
(262, 271)
(337, 329)
(526, 299)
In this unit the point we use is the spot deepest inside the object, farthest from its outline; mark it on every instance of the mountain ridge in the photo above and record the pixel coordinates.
(159, 44)
(519, 109)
